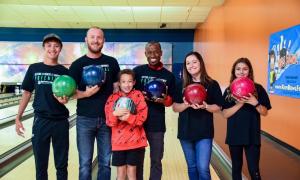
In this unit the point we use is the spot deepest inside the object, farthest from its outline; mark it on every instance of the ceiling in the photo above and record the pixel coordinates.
(107, 14)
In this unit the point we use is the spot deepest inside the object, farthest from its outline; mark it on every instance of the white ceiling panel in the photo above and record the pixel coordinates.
(12, 24)
(31, 12)
(146, 14)
(8, 14)
(145, 3)
(127, 14)
(125, 25)
(148, 25)
(110, 2)
(61, 13)
(37, 2)
(57, 24)
(102, 25)
(118, 14)
(174, 14)
(172, 26)
(74, 2)
(9, 2)
(79, 24)
(181, 2)
(35, 24)
(89, 13)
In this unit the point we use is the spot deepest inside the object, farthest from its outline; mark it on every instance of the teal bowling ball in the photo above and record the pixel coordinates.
(127, 103)
(64, 85)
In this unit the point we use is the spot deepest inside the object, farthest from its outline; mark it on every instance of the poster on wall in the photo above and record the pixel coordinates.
(284, 63)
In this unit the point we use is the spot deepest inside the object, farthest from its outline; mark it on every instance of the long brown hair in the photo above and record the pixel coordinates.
(187, 78)
(245, 61)
(233, 77)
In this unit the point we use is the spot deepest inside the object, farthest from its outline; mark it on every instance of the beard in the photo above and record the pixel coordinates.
(93, 49)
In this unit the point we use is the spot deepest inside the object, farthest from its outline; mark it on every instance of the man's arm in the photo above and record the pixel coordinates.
(23, 104)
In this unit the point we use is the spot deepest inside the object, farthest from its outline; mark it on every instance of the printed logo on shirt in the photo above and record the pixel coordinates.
(45, 78)
(105, 67)
(147, 79)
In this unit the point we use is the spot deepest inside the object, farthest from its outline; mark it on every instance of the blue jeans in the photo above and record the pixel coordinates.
(197, 155)
(87, 130)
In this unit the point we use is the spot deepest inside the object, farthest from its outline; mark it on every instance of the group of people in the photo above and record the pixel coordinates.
(124, 134)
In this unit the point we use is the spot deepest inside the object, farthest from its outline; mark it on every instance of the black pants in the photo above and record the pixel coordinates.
(43, 132)
(156, 143)
(252, 155)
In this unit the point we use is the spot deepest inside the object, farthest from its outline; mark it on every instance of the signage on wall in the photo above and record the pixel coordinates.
(15, 57)
(284, 63)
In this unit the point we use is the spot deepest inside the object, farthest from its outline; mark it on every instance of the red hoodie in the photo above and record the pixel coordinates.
(128, 134)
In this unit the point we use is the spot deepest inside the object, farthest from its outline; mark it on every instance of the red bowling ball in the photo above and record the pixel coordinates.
(195, 94)
(242, 87)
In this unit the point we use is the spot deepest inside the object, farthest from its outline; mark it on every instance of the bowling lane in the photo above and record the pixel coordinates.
(174, 165)
(26, 170)
(11, 111)
(10, 139)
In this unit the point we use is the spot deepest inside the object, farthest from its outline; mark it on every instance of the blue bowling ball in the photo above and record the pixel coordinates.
(154, 89)
(127, 103)
(93, 75)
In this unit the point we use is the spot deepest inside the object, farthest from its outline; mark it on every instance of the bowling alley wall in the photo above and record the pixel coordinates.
(241, 28)
(21, 47)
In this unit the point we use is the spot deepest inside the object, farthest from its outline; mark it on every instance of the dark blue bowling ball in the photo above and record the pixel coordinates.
(154, 89)
(93, 75)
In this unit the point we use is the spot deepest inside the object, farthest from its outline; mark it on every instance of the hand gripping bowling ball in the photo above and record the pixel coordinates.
(127, 103)
(63, 86)
(242, 87)
(195, 94)
(93, 75)
(154, 89)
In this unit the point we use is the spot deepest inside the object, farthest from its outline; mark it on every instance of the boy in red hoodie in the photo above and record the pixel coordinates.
(128, 135)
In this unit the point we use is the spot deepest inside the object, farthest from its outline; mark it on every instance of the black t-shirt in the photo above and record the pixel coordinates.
(196, 124)
(94, 106)
(39, 77)
(156, 111)
(243, 127)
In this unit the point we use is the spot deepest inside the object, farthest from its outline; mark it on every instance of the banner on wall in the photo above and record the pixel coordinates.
(15, 57)
(284, 63)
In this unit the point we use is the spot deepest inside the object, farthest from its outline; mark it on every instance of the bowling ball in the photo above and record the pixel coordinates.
(195, 94)
(154, 89)
(242, 87)
(93, 75)
(127, 103)
(63, 86)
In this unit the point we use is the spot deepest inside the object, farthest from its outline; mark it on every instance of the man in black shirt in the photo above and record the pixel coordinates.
(90, 122)
(155, 126)
(51, 116)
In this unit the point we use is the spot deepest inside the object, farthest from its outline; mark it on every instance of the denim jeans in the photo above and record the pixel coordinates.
(197, 155)
(89, 129)
(43, 132)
